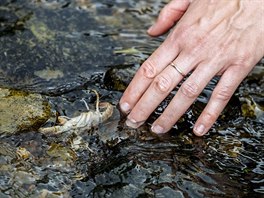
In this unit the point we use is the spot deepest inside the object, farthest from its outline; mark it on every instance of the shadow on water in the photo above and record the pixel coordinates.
(60, 50)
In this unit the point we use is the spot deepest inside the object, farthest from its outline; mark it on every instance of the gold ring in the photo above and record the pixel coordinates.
(177, 69)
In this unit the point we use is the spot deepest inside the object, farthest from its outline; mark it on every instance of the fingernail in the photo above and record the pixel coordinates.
(200, 129)
(133, 123)
(157, 129)
(125, 107)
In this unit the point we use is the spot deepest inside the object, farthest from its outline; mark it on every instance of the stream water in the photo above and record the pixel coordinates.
(61, 50)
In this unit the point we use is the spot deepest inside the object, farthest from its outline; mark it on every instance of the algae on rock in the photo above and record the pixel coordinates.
(21, 111)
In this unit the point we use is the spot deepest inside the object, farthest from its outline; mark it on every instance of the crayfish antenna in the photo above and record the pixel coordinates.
(97, 100)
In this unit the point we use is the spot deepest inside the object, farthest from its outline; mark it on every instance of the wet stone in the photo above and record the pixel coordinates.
(83, 37)
(118, 78)
(21, 111)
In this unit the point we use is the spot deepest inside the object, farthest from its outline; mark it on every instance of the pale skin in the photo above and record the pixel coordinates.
(211, 37)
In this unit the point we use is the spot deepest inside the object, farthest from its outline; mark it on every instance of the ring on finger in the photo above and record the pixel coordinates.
(177, 69)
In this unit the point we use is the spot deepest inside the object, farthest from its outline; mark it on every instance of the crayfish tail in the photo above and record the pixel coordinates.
(107, 113)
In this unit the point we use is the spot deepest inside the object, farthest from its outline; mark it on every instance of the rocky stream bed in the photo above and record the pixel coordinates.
(53, 53)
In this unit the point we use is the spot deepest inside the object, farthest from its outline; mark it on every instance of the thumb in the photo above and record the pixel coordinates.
(171, 13)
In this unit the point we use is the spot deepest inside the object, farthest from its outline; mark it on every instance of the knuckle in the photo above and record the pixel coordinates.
(148, 69)
(169, 10)
(162, 83)
(223, 94)
(164, 12)
(210, 117)
(190, 90)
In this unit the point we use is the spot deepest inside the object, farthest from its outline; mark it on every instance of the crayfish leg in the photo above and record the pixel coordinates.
(85, 103)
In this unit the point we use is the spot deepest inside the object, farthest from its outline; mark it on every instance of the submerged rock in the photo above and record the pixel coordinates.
(118, 78)
(21, 111)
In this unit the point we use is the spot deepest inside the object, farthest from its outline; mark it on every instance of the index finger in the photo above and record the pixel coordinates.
(147, 72)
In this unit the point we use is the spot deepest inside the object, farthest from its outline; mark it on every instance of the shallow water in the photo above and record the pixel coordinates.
(62, 50)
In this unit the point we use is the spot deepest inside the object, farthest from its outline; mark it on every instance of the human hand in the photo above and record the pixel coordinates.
(211, 38)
